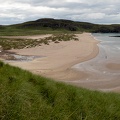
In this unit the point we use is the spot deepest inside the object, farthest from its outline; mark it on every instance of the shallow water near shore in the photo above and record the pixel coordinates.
(103, 70)
(12, 57)
(23, 58)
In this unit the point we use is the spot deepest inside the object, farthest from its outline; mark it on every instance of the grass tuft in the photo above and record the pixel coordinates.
(1, 64)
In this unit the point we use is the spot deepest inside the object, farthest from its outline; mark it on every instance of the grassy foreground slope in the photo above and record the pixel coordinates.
(24, 96)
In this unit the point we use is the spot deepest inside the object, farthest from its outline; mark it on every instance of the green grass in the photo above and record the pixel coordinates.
(24, 96)
(13, 31)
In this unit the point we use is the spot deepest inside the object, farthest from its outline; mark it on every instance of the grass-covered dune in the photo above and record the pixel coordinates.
(18, 43)
(24, 96)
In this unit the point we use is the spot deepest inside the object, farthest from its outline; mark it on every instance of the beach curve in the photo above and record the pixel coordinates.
(58, 59)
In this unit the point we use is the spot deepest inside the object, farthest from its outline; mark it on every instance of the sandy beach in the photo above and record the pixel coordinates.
(28, 37)
(56, 60)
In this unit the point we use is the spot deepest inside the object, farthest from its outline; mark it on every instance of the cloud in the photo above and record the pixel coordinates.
(102, 11)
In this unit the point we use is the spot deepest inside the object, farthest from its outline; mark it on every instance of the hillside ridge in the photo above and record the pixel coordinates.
(63, 24)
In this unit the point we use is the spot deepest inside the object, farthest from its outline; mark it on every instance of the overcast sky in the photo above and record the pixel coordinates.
(94, 11)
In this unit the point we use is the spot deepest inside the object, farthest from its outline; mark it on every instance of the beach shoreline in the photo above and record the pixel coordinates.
(58, 59)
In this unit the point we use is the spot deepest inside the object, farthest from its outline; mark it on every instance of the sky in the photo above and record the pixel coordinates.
(93, 11)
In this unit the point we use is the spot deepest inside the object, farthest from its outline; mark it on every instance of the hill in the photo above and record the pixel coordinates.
(50, 26)
(24, 96)
(55, 24)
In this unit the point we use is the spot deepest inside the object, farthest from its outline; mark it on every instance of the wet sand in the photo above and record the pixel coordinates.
(113, 66)
(103, 70)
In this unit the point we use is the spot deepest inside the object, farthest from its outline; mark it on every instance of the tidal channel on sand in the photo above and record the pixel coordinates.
(103, 70)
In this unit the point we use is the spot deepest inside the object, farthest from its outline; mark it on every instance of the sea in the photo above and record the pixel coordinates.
(110, 43)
